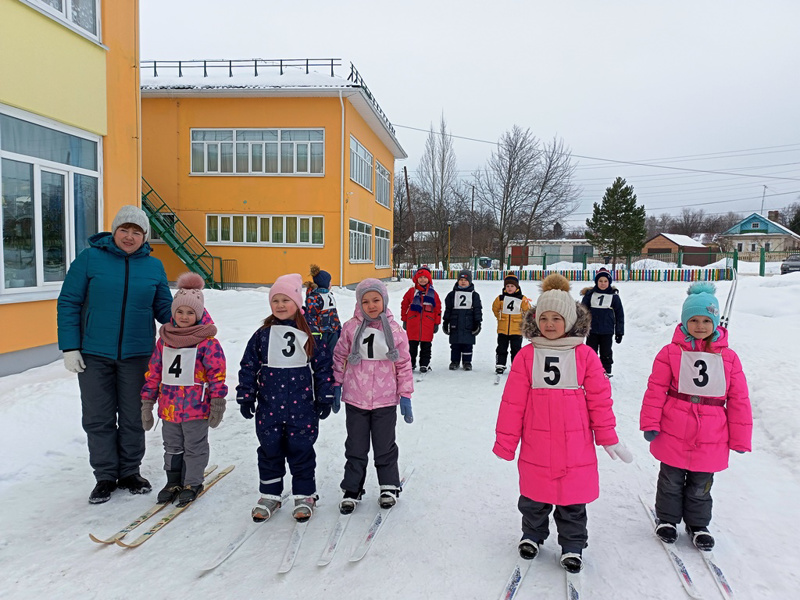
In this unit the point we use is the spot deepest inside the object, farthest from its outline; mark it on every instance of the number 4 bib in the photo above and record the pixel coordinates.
(702, 374)
(554, 369)
(512, 306)
(286, 347)
(178, 366)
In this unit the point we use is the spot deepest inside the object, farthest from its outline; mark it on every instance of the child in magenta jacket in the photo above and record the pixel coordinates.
(557, 403)
(372, 368)
(695, 410)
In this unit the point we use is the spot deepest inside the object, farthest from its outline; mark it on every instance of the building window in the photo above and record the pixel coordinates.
(82, 14)
(360, 164)
(383, 185)
(49, 183)
(752, 247)
(360, 241)
(754, 225)
(168, 219)
(258, 151)
(382, 243)
(739, 246)
(767, 246)
(265, 230)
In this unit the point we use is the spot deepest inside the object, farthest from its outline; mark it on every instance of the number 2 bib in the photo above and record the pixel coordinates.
(328, 301)
(178, 366)
(286, 347)
(462, 301)
(702, 374)
(554, 369)
(373, 345)
(512, 306)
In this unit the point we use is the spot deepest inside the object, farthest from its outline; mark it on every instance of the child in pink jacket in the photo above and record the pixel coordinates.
(695, 410)
(372, 367)
(557, 403)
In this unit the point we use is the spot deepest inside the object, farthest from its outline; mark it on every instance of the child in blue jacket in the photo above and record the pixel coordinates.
(608, 318)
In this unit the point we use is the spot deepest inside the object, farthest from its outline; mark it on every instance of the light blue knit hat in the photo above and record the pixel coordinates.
(701, 303)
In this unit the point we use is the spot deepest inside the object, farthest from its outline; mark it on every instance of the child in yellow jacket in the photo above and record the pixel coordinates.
(508, 309)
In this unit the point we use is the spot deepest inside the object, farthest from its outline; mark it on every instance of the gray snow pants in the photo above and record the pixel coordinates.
(112, 414)
(378, 424)
(189, 439)
(683, 494)
(570, 522)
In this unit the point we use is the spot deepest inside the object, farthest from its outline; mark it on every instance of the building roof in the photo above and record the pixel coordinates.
(777, 228)
(682, 240)
(310, 78)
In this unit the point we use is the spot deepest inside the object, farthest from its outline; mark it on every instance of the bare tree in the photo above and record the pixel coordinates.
(689, 222)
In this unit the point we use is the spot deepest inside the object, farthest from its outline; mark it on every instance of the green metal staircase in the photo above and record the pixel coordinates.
(178, 237)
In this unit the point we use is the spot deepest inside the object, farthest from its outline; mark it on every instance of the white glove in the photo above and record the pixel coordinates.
(619, 450)
(73, 361)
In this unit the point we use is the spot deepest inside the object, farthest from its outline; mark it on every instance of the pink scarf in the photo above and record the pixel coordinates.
(186, 337)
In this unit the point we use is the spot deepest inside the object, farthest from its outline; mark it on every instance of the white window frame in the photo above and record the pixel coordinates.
(46, 290)
(361, 164)
(236, 144)
(64, 16)
(264, 226)
(383, 242)
(383, 185)
(755, 225)
(360, 247)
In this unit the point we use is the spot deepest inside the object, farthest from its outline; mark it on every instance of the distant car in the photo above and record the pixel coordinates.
(790, 263)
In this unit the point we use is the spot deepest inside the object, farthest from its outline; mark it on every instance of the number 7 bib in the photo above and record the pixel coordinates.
(286, 347)
(554, 369)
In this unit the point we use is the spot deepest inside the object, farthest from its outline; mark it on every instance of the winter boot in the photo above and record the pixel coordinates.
(667, 532)
(188, 494)
(528, 549)
(350, 501)
(169, 492)
(266, 507)
(102, 491)
(424, 368)
(468, 366)
(135, 484)
(389, 495)
(499, 369)
(701, 538)
(572, 562)
(304, 507)
(453, 366)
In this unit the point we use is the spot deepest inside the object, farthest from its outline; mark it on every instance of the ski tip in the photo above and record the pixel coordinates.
(99, 541)
(122, 544)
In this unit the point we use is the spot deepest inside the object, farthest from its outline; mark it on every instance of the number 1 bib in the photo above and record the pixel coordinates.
(600, 300)
(373, 345)
(286, 347)
(462, 301)
(512, 306)
(702, 374)
(554, 369)
(178, 366)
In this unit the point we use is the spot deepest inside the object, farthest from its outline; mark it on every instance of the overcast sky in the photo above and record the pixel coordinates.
(713, 83)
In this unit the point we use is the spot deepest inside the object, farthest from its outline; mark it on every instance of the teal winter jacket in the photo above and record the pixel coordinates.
(109, 301)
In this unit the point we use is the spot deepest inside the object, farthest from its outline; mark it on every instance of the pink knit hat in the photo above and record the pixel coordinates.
(290, 285)
(190, 293)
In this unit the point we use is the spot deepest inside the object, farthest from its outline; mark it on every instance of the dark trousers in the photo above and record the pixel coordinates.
(378, 425)
(683, 494)
(603, 342)
(282, 443)
(570, 522)
(424, 353)
(112, 414)
(459, 352)
(188, 440)
(503, 342)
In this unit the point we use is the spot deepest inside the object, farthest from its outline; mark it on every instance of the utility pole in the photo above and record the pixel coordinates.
(762, 201)
(413, 221)
(472, 223)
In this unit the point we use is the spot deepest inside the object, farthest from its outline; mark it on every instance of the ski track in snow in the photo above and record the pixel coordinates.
(455, 529)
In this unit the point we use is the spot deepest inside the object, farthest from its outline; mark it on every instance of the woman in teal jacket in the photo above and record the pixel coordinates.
(111, 295)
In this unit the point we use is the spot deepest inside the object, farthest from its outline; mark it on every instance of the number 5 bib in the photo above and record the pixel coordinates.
(286, 347)
(178, 366)
(554, 369)
(702, 374)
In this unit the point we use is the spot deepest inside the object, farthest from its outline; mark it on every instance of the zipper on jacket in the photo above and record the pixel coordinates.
(124, 302)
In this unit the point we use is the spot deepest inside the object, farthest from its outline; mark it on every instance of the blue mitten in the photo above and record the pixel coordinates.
(337, 398)
(739, 451)
(405, 409)
(650, 435)
(248, 409)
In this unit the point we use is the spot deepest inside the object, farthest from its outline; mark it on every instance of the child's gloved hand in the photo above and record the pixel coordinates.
(446, 327)
(477, 330)
(618, 338)
(73, 361)
(337, 398)
(405, 325)
(323, 410)
(650, 435)
(248, 408)
(405, 409)
(217, 410)
(436, 328)
(147, 415)
(619, 450)
(739, 451)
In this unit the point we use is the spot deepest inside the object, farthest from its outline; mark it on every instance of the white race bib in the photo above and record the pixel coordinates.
(702, 374)
(554, 369)
(286, 347)
(328, 301)
(511, 305)
(600, 300)
(373, 345)
(462, 301)
(178, 366)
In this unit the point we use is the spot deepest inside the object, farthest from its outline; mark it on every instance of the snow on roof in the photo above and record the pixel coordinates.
(267, 78)
(682, 240)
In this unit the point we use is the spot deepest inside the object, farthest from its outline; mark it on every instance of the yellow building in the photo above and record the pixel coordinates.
(69, 152)
(272, 164)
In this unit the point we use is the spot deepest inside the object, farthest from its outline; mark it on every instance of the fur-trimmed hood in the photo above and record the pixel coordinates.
(609, 290)
(530, 329)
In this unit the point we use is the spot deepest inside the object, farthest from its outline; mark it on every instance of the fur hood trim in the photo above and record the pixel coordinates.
(530, 329)
(609, 290)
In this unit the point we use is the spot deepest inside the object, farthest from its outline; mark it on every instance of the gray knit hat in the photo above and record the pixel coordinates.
(372, 285)
(555, 297)
(131, 214)
(466, 274)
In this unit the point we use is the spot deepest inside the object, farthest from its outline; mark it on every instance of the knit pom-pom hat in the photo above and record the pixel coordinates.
(422, 272)
(321, 278)
(289, 285)
(190, 293)
(555, 297)
(603, 272)
(701, 302)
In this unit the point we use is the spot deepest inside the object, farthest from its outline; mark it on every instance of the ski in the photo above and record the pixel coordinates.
(716, 572)
(497, 377)
(333, 540)
(140, 519)
(421, 376)
(293, 547)
(515, 579)
(174, 512)
(573, 585)
(674, 558)
(380, 518)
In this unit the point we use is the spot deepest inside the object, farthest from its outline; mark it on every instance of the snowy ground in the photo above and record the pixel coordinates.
(454, 532)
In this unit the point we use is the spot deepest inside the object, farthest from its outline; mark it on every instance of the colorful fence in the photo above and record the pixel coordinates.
(584, 275)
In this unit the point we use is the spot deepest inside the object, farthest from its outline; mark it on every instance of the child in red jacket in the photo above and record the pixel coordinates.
(421, 312)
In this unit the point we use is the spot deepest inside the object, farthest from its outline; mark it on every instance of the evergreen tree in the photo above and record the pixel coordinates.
(617, 226)
(794, 224)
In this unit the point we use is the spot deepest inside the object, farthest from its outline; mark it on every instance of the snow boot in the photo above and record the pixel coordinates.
(169, 492)
(499, 369)
(188, 494)
(265, 508)
(468, 366)
(701, 537)
(667, 532)
(304, 507)
(453, 366)
(528, 549)
(135, 484)
(102, 491)
(572, 562)
(424, 368)
(389, 495)
(351, 499)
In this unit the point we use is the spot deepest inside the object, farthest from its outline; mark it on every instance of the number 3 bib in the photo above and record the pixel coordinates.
(702, 374)
(554, 369)
(286, 347)
(178, 366)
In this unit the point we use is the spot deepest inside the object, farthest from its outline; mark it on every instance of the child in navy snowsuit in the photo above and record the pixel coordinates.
(463, 314)
(321, 313)
(285, 381)
(608, 318)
